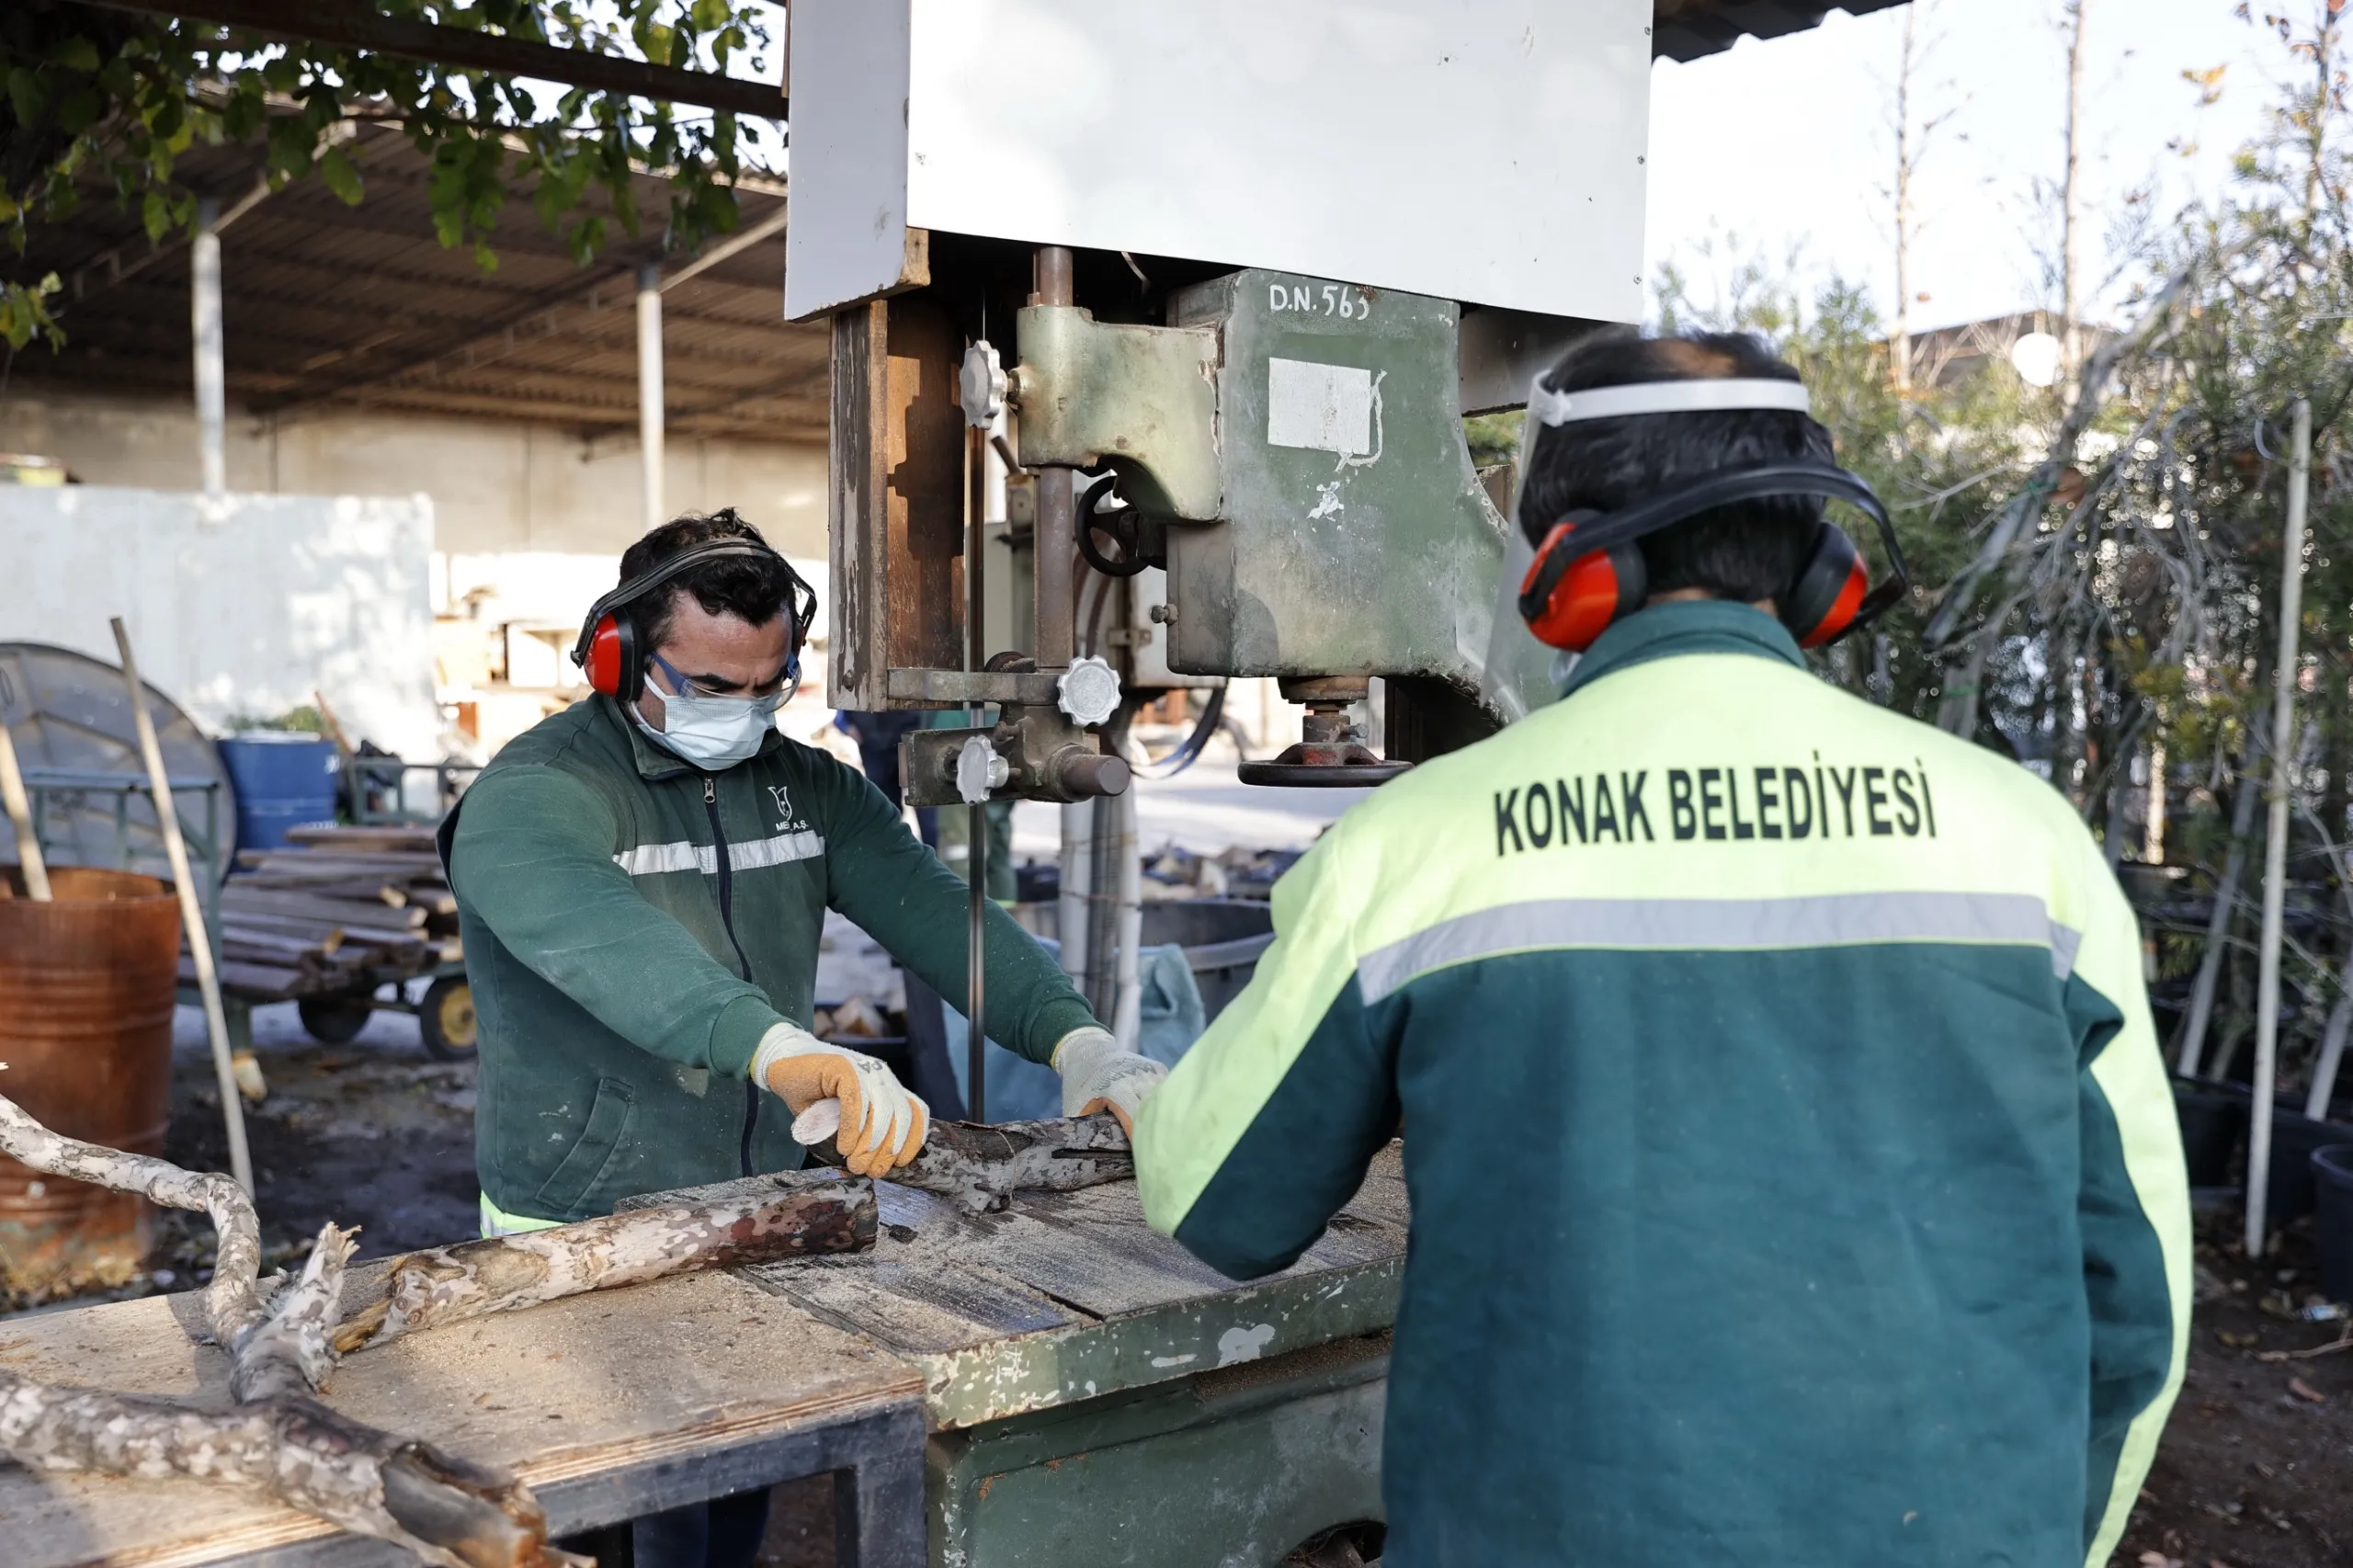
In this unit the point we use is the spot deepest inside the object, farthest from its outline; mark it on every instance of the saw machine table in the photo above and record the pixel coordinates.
(1050, 1385)
(1096, 1394)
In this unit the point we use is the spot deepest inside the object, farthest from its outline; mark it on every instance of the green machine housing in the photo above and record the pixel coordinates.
(1295, 449)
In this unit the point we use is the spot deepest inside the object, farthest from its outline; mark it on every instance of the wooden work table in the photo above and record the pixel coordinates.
(608, 1405)
(617, 1404)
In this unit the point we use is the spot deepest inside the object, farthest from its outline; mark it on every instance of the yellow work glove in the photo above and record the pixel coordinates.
(1099, 1073)
(882, 1125)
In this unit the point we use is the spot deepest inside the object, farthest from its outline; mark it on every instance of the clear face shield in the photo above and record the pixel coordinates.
(1521, 669)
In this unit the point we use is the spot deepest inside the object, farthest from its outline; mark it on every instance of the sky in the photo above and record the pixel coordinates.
(1789, 142)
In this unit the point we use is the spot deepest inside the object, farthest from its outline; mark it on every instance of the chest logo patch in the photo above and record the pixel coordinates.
(782, 797)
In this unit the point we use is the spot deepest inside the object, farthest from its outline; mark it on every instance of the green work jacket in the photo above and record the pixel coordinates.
(633, 925)
(1795, 1179)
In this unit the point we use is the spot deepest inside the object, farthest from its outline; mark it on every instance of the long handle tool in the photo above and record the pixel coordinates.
(21, 817)
(199, 944)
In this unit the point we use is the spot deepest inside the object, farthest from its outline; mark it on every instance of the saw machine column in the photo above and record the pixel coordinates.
(1056, 611)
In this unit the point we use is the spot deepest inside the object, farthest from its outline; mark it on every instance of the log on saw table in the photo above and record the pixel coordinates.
(1068, 1295)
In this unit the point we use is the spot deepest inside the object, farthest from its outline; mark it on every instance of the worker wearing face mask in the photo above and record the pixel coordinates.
(641, 882)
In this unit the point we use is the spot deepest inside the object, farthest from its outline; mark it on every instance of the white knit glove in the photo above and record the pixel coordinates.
(876, 1123)
(1098, 1074)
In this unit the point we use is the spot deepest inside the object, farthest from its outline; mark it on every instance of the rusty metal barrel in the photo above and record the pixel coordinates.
(86, 992)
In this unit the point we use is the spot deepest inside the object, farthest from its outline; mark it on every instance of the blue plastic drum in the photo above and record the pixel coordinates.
(284, 780)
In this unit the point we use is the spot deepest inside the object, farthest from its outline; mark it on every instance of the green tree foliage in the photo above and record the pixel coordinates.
(107, 100)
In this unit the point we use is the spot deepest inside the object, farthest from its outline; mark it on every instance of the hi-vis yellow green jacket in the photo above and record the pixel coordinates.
(1795, 1178)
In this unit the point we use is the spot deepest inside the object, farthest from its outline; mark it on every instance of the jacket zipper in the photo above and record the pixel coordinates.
(727, 918)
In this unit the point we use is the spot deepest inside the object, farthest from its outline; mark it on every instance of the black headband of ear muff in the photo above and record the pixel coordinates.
(801, 598)
(1756, 483)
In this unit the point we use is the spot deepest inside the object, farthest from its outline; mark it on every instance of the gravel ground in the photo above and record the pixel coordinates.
(374, 1132)
(2251, 1472)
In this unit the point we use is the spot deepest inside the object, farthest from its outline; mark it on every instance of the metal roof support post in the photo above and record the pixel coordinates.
(204, 317)
(649, 389)
(2275, 846)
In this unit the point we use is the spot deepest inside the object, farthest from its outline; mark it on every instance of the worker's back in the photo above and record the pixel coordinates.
(1794, 1175)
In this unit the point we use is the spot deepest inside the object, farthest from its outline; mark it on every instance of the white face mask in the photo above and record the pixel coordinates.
(712, 731)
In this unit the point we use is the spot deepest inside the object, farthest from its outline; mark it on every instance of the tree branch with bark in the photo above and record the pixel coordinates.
(275, 1438)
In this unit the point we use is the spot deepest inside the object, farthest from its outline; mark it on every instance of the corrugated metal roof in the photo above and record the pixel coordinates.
(329, 304)
(1686, 30)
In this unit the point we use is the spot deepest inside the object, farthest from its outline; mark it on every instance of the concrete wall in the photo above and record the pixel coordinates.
(237, 605)
(498, 486)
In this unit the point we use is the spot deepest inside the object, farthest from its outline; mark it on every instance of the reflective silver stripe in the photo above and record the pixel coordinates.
(781, 851)
(2064, 941)
(1833, 920)
(653, 859)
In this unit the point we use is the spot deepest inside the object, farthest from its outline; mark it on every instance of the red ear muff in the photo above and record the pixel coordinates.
(1569, 599)
(608, 651)
(611, 666)
(1822, 603)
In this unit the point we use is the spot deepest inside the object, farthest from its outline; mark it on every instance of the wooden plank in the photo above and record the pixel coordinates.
(309, 906)
(307, 961)
(426, 864)
(256, 983)
(597, 1386)
(856, 521)
(359, 889)
(1097, 1255)
(413, 840)
(296, 925)
(256, 939)
(915, 1308)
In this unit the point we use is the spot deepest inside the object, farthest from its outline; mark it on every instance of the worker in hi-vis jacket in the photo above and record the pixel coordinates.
(1794, 1176)
(641, 885)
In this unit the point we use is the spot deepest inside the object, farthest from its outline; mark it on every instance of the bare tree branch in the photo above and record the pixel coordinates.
(426, 1290)
(275, 1440)
(982, 1167)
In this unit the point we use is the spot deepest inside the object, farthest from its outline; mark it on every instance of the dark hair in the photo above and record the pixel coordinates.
(1751, 551)
(753, 587)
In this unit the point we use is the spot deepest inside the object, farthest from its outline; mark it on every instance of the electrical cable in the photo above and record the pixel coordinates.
(1205, 729)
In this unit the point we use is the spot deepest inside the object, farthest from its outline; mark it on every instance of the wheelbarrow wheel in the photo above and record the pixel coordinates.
(446, 1019)
(333, 1020)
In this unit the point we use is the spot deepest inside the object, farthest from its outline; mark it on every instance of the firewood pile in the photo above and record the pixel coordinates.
(341, 909)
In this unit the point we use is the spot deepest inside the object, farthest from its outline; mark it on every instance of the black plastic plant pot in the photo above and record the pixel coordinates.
(2294, 1137)
(2332, 1170)
(2213, 1119)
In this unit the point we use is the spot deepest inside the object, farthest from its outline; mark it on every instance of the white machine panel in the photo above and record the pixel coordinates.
(846, 80)
(1487, 151)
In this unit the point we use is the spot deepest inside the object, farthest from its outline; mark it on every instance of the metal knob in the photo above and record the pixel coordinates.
(979, 770)
(981, 386)
(1089, 692)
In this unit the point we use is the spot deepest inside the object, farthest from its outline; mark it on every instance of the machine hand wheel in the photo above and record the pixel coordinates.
(1120, 525)
(446, 1019)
